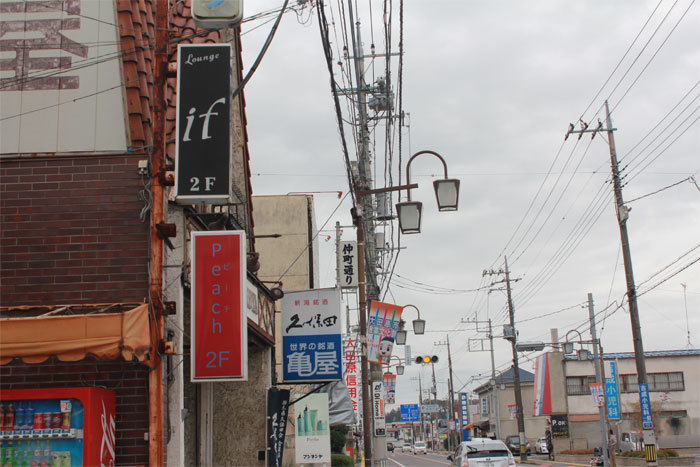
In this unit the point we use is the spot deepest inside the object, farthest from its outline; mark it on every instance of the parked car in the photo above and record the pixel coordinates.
(541, 446)
(390, 446)
(513, 443)
(407, 447)
(482, 451)
(419, 447)
(630, 441)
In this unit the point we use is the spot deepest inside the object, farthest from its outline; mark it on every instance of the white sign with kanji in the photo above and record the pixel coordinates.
(347, 264)
(311, 344)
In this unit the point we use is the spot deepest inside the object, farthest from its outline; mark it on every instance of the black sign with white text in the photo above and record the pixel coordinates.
(277, 409)
(203, 145)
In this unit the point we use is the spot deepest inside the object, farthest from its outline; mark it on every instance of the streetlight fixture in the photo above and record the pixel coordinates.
(418, 327)
(446, 194)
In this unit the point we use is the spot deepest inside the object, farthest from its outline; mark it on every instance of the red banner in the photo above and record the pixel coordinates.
(219, 330)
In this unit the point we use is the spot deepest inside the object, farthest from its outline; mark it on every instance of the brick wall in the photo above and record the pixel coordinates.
(71, 231)
(129, 380)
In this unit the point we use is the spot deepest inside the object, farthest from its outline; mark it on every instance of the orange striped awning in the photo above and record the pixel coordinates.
(106, 335)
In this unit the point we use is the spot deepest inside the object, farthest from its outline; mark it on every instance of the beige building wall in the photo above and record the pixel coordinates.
(673, 429)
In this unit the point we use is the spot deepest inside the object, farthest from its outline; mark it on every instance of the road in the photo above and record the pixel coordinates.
(431, 460)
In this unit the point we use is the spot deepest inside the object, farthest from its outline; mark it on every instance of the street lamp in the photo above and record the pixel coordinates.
(446, 193)
(399, 367)
(418, 327)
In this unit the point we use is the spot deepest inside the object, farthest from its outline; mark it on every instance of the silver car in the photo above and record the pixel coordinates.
(482, 452)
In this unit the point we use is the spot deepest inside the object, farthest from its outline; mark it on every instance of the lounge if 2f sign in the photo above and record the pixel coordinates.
(203, 143)
(219, 328)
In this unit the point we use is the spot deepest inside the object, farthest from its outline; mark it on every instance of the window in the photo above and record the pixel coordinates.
(659, 382)
(578, 385)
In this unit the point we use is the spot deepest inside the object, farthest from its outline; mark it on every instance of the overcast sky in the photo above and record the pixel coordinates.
(492, 87)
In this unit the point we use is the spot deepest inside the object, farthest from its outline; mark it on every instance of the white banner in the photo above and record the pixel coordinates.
(347, 261)
(378, 408)
(313, 440)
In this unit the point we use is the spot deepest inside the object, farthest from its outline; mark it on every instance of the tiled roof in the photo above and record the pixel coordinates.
(137, 30)
(506, 377)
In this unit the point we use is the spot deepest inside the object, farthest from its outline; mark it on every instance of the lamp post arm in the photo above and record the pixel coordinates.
(408, 167)
(412, 306)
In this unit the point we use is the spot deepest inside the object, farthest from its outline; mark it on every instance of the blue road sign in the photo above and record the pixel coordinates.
(464, 406)
(611, 396)
(647, 424)
(409, 412)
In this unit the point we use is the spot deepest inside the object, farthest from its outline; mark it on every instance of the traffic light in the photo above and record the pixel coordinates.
(427, 359)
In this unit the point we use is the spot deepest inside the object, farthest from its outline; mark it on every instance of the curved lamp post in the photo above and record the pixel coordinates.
(418, 327)
(399, 367)
(446, 193)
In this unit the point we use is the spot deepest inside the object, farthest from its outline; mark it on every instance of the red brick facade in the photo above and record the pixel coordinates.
(128, 380)
(71, 231)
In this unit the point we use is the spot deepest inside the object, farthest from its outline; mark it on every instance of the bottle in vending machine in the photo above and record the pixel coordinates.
(19, 417)
(28, 417)
(2, 419)
(9, 417)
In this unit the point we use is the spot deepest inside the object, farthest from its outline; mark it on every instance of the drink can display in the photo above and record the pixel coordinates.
(47, 420)
(55, 459)
(56, 420)
(65, 421)
(38, 421)
(65, 459)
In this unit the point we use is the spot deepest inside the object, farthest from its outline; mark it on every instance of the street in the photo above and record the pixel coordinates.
(432, 459)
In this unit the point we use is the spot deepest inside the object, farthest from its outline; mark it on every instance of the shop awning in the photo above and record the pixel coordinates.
(103, 332)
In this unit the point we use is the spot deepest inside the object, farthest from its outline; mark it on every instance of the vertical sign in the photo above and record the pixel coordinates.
(644, 402)
(313, 440)
(390, 385)
(597, 394)
(611, 391)
(277, 407)
(311, 344)
(542, 403)
(347, 258)
(407, 355)
(350, 372)
(512, 411)
(383, 323)
(219, 328)
(464, 408)
(560, 425)
(203, 126)
(378, 408)
(484, 407)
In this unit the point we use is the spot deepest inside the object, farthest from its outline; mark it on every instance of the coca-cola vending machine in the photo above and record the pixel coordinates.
(57, 427)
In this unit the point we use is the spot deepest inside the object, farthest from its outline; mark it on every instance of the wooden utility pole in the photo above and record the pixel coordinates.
(622, 212)
(155, 377)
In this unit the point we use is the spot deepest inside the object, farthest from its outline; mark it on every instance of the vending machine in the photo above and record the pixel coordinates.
(57, 427)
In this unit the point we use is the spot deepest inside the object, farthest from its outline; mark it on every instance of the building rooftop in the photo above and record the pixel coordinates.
(653, 353)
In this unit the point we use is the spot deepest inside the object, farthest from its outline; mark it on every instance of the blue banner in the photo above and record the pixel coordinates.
(464, 407)
(314, 357)
(409, 412)
(647, 423)
(611, 396)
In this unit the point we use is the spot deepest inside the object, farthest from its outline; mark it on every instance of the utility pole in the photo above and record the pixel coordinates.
(599, 375)
(494, 402)
(516, 370)
(433, 431)
(450, 398)
(366, 253)
(155, 376)
(512, 337)
(622, 212)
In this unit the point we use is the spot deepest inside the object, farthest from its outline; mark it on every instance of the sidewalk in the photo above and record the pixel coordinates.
(687, 457)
